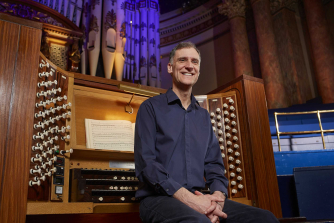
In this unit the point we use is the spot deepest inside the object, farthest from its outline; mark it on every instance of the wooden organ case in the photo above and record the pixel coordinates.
(47, 171)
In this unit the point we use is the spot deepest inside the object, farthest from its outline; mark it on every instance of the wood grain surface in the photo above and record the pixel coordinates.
(16, 164)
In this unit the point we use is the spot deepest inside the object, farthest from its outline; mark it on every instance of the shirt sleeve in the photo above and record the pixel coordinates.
(148, 170)
(214, 167)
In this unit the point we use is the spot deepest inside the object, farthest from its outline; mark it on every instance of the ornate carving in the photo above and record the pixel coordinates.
(123, 30)
(27, 13)
(233, 8)
(75, 57)
(143, 62)
(93, 24)
(110, 20)
(45, 49)
(94, 3)
(276, 5)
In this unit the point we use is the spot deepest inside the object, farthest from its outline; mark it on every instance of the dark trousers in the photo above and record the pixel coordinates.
(163, 209)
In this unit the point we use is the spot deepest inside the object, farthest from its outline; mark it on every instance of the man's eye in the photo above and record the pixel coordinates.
(195, 61)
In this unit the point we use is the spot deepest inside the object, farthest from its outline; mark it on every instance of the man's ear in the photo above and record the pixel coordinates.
(169, 68)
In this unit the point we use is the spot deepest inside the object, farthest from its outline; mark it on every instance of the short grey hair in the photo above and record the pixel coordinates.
(180, 46)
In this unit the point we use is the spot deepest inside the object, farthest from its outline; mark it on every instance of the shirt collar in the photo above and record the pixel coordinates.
(171, 96)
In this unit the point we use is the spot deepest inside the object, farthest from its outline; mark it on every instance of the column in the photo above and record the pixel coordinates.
(269, 60)
(235, 10)
(322, 48)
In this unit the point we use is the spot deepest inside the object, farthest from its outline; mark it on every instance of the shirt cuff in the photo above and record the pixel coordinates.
(170, 186)
(218, 186)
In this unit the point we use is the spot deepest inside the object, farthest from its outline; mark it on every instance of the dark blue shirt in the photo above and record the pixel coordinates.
(176, 148)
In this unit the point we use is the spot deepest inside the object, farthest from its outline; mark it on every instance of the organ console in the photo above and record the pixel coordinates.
(47, 168)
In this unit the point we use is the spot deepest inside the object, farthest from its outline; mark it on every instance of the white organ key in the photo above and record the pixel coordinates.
(232, 174)
(225, 105)
(63, 129)
(233, 115)
(229, 143)
(212, 114)
(45, 74)
(235, 138)
(37, 147)
(41, 65)
(231, 166)
(54, 138)
(221, 140)
(48, 163)
(62, 98)
(237, 154)
(123, 178)
(233, 123)
(40, 114)
(39, 178)
(227, 120)
(234, 131)
(233, 183)
(222, 147)
(38, 137)
(239, 170)
(218, 110)
(32, 183)
(226, 113)
(239, 178)
(53, 159)
(45, 154)
(230, 158)
(240, 186)
(33, 159)
(54, 148)
(122, 198)
(66, 151)
(230, 150)
(115, 188)
(66, 137)
(232, 108)
(234, 191)
(56, 90)
(228, 135)
(40, 104)
(115, 177)
(231, 101)
(32, 171)
(52, 170)
(219, 125)
(39, 125)
(238, 162)
(219, 117)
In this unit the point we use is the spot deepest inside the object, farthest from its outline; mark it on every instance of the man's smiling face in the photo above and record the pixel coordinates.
(185, 67)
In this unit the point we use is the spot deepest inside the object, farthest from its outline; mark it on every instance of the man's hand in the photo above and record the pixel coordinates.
(215, 210)
(198, 203)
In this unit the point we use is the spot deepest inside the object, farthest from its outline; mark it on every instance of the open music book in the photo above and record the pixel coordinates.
(110, 134)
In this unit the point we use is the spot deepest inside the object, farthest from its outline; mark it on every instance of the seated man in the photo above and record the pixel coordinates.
(175, 148)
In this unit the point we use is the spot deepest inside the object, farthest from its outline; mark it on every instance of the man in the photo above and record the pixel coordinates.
(175, 148)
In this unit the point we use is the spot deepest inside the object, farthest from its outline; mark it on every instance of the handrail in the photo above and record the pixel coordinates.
(302, 132)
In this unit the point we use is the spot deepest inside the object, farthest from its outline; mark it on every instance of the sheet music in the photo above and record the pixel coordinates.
(109, 134)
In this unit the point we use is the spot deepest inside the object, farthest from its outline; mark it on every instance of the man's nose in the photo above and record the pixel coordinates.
(189, 65)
